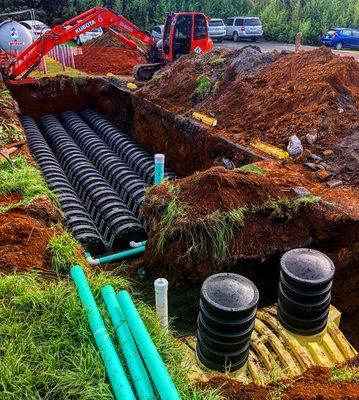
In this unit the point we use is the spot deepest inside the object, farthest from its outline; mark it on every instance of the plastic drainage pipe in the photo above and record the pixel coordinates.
(114, 257)
(137, 244)
(159, 168)
(155, 366)
(120, 385)
(133, 359)
(161, 291)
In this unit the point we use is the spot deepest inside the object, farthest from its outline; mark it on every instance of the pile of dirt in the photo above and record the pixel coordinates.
(276, 217)
(97, 60)
(105, 40)
(314, 384)
(270, 97)
(25, 233)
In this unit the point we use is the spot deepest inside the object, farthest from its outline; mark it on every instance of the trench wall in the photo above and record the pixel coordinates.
(188, 146)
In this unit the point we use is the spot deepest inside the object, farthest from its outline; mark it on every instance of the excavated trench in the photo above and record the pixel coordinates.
(100, 170)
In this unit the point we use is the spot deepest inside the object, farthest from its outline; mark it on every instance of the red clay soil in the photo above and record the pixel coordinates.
(314, 92)
(106, 54)
(97, 60)
(25, 233)
(314, 384)
(263, 232)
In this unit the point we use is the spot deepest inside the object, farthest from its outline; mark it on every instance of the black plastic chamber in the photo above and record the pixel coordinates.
(228, 305)
(304, 297)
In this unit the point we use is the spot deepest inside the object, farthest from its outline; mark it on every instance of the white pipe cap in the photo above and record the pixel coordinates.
(159, 158)
(161, 285)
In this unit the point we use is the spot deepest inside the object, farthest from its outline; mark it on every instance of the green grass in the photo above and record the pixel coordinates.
(252, 169)
(54, 68)
(217, 61)
(64, 251)
(348, 373)
(47, 350)
(25, 180)
(286, 207)
(174, 212)
(204, 87)
(10, 133)
(219, 228)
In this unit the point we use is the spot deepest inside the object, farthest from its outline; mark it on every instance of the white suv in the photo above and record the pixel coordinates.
(244, 27)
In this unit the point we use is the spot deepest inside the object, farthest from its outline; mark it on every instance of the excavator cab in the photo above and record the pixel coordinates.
(185, 32)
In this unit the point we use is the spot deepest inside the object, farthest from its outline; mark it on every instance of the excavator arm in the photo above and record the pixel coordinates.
(96, 17)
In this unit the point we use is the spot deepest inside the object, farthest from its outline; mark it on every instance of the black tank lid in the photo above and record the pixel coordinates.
(230, 292)
(307, 266)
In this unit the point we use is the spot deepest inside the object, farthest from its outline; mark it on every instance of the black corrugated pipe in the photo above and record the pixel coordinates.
(123, 179)
(306, 279)
(78, 221)
(115, 221)
(228, 306)
(124, 146)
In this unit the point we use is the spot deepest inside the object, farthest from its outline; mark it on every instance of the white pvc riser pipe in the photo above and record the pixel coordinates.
(161, 296)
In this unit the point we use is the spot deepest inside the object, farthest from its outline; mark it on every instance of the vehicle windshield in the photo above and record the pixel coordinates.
(331, 33)
(216, 23)
(252, 22)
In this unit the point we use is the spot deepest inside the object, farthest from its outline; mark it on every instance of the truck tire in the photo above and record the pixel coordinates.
(235, 37)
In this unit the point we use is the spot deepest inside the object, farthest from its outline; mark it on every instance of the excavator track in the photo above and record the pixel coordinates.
(144, 72)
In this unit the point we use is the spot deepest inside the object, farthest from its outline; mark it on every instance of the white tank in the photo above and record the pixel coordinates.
(14, 36)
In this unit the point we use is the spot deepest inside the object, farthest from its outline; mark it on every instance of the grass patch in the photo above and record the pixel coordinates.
(286, 207)
(212, 233)
(217, 233)
(203, 85)
(25, 180)
(217, 61)
(54, 68)
(47, 350)
(174, 212)
(348, 373)
(252, 169)
(64, 252)
(10, 131)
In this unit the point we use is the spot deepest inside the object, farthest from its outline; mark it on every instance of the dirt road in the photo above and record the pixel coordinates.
(267, 46)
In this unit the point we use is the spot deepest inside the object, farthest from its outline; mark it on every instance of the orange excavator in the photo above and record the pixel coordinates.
(184, 32)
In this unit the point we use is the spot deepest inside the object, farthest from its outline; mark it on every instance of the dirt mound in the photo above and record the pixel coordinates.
(270, 97)
(105, 40)
(24, 235)
(313, 385)
(100, 60)
(215, 218)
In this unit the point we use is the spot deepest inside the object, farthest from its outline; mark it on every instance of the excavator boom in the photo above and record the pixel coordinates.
(96, 17)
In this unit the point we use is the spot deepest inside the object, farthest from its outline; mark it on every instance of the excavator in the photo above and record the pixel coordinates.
(184, 32)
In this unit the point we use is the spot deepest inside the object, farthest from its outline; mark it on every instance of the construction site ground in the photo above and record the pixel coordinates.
(262, 205)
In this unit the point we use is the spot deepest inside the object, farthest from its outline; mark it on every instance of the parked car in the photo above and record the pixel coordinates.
(341, 38)
(36, 28)
(216, 29)
(92, 34)
(244, 27)
(157, 32)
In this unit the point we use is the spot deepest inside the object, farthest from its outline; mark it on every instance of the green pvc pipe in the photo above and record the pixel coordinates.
(116, 256)
(119, 382)
(133, 359)
(155, 366)
(159, 168)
